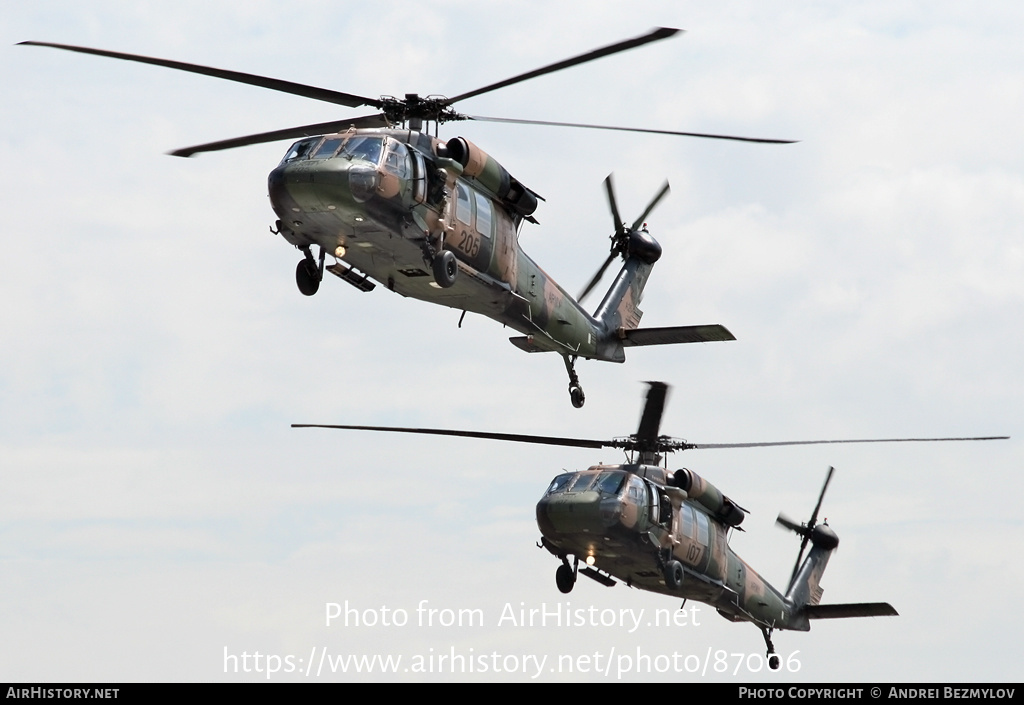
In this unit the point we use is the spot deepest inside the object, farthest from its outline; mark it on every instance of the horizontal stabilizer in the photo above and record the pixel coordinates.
(527, 343)
(850, 609)
(677, 334)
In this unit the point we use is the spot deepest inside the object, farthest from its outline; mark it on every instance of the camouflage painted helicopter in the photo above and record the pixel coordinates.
(668, 532)
(439, 221)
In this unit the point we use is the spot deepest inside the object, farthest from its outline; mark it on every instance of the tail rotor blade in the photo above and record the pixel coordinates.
(609, 187)
(617, 238)
(799, 557)
(785, 522)
(597, 277)
(804, 530)
(650, 206)
(814, 516)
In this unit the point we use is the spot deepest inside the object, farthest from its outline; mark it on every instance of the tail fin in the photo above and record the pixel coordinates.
(805, 588)
(619, 313)
(804, 591)
(639, 251)
(620, 309)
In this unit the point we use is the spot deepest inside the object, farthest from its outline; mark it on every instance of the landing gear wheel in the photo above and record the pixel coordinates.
(773, 658)
(575, 390)
(673, 575)
(445, 268)
(307, 276)
(565, 578)
(577, 396)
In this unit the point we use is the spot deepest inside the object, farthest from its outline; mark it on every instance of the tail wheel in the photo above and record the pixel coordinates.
(577, 397)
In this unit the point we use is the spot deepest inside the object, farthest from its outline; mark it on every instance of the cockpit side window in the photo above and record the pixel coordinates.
(397, 160)
(300, 149)
(638, 493)
(559, 483)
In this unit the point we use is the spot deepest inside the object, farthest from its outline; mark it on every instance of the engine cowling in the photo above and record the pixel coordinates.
(492, 175)
(708, 496)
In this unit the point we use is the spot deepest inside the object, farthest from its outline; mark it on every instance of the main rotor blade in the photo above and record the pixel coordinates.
(650, 419)
(704, 135)
(708, 446)
(515, 437)
(650, 206)
(324, 94)
(652, 36)
(320, 128)
(596, 278)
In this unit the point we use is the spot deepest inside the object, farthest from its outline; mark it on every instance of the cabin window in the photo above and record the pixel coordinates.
(464, 207)
(483, 214)
(702, 528)
(686, 517)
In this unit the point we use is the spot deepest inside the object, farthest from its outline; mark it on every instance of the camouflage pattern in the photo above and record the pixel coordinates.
(386, 212)
(627, 521)
(438, 221)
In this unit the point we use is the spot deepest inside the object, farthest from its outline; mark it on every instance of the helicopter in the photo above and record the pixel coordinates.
(668, 531)
(439, 220)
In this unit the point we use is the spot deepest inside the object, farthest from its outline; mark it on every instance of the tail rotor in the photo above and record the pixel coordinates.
(626, 240)
(807, 530)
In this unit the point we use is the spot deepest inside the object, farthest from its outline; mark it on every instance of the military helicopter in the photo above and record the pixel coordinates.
(668, 532)
(439, 221)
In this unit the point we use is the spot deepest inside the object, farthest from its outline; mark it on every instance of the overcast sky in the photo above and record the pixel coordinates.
(158, 512)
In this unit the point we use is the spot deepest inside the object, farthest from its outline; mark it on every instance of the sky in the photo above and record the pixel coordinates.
(161, 521)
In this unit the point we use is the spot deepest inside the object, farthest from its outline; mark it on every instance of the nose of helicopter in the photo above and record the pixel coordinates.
(325, 186)
(585, 512)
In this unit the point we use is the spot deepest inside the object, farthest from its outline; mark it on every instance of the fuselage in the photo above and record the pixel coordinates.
(626, 520)
(383, 200)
